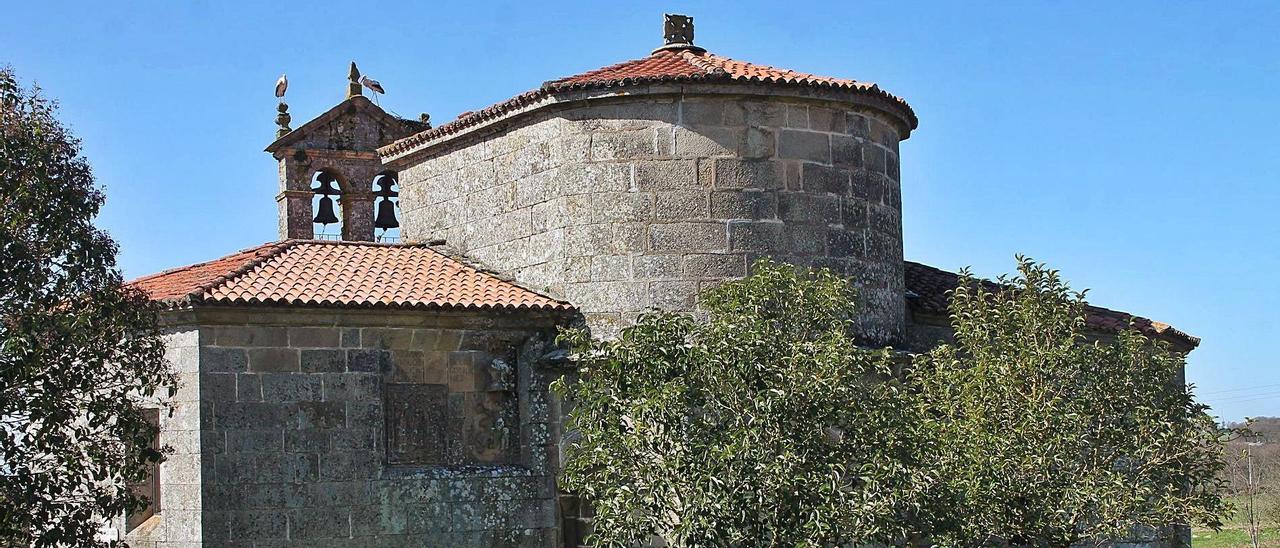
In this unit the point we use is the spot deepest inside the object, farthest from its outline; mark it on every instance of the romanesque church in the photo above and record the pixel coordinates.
(346, 387)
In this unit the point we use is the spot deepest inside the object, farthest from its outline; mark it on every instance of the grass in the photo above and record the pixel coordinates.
(1234, 533)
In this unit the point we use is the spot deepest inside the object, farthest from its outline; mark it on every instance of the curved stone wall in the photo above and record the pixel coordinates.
(623, 204)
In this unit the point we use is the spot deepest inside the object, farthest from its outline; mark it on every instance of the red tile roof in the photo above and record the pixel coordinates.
(342, 274)
(663, 66)
(931, 288)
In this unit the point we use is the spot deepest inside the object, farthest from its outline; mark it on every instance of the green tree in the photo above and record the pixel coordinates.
(77, 349)
(763, 425)
(1046, 435)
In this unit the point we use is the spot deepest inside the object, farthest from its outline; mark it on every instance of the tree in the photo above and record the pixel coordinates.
(77, 349)
(765, 424)
(1047, 435)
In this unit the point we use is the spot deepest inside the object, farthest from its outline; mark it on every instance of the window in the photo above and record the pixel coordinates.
(149, 487)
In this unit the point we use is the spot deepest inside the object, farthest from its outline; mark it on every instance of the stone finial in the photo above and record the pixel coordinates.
(677, 30)
(425, 119)
(282, 120)
(353, 82)
(677, 33)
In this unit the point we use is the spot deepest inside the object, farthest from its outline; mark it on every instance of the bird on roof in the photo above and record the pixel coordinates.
(371, 84)
(281, 85)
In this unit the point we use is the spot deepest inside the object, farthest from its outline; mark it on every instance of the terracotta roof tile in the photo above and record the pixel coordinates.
(931, 288)
(342, 274)
(663, 66)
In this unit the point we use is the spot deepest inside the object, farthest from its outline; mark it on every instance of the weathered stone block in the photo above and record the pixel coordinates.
(656, 267)
(248, 387)
(251, 336)
(622, 206)
(368, 360)
(818, 178)
(685, 237)
(315, 414)
(845, 243)
(630, 144)
(666, 175)
(255, 441)
(352, 386)
(681, 204)
(805, 239)
(259, 524)
(733, 174)
(798, 116)
(703, 113)
(406, 366)
(760, 143)
(217, 386)
(825, 119)
(273, 360)
(746, 204)
(319, 523)
(804, 145)
(324, 361)
(760, 237)
(288, 388)
(351, 337)
(223, 360)
(857, 125)
(873, 157)
(314, 337)
(610, 267)
(797, 207)
(846, 151)
(306, 440)
(702, 266)
(708, 142)
(386, 338)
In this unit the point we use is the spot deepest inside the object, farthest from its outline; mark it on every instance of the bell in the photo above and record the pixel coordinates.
(325, 186)
(384, 184)
(325, 214)
(386, 218)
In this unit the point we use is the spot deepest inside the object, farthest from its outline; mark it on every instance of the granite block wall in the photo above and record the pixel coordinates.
(315, 431)
(623, 205)
(177, 524)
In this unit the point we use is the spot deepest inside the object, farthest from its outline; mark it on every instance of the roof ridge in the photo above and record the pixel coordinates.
(658, 67)
(702, 59)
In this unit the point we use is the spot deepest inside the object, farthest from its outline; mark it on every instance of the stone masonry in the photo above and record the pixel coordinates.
(291, 418)
(620, 205)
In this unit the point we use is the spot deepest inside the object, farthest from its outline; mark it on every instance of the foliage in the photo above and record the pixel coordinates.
(763, 425)
(77, 349)
(1048, 436)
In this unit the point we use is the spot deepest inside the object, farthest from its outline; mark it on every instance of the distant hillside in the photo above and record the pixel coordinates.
(1267, 429)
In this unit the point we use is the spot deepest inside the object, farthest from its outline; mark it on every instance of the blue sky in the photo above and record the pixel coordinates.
(1130, 144)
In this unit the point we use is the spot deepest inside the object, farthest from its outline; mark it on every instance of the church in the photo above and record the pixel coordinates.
(379, 375)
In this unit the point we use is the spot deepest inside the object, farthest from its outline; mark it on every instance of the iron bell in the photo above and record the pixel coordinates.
(324, 214)
(325, 188)
(386, 217)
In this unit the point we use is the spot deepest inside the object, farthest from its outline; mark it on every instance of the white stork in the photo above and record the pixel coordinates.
(281, 85)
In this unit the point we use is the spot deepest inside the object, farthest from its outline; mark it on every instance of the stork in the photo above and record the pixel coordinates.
(281, 85)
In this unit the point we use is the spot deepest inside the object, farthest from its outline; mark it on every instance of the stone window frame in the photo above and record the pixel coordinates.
(149, 487)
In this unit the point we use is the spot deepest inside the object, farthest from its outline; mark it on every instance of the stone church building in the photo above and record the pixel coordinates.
(342, 391)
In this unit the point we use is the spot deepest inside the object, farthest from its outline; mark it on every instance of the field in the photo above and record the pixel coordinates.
(1234, 534)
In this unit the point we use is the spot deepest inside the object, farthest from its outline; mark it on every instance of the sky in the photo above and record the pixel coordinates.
(1132, 145)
